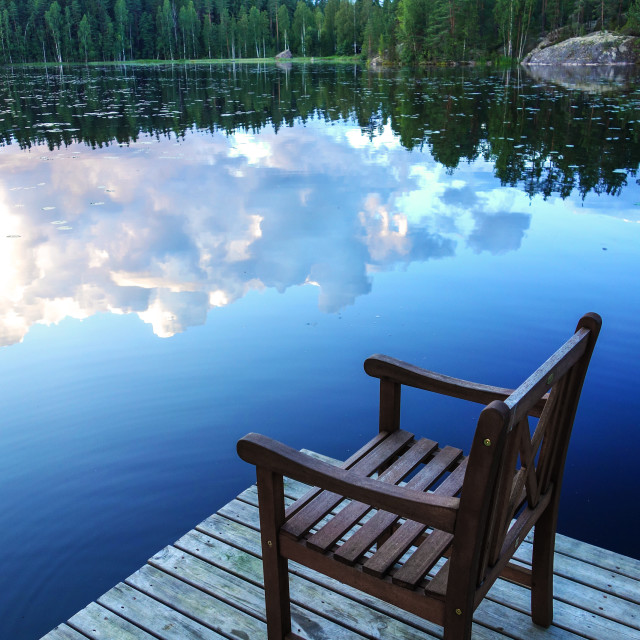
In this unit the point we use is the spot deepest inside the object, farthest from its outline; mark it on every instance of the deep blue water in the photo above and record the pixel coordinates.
(171, 283)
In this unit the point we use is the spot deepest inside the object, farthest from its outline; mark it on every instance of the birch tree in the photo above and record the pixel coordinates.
(53, 19)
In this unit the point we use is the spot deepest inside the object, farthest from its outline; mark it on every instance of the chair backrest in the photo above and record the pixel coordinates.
(513, 476)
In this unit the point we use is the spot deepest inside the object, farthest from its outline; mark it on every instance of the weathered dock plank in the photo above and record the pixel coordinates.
(154, 616)
(596, 617)
(208, 586)
(63, 632)
(98, 623)
(602, 592)
(588, 553)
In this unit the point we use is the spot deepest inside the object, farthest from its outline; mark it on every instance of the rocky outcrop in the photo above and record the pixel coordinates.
(284, 55)
(600, 48)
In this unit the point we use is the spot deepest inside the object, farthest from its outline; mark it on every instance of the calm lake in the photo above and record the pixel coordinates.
(190, 253)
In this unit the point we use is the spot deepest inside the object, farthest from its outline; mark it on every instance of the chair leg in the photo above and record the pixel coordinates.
(275, 567)
(542, 567)
(458, 626)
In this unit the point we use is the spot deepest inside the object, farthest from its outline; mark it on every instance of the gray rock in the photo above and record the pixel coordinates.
(284, 55)
(600, 48)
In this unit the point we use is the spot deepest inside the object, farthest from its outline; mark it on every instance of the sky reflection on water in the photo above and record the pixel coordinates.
(274, 258)
(170, 229)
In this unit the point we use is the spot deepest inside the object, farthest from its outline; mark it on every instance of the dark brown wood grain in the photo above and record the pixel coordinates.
(305, 518)
(417, 545)
(408, 533)
(347, 464)
(283, 460)
(385, 367)
(274, 564)
(373, 529)
(331, 532)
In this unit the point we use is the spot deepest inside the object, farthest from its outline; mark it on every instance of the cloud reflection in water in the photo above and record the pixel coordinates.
(169, 230)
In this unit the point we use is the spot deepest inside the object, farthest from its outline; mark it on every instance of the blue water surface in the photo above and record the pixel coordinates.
(163, 295)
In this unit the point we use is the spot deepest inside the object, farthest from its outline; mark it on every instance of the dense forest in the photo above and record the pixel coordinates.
(410, 31)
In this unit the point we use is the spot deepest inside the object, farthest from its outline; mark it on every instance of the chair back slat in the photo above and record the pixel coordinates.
(556, 441)
(541, 456)
(507, 484)
(526, 396)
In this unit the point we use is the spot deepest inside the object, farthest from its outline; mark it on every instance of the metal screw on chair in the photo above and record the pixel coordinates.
(487, 442)
(458, 612)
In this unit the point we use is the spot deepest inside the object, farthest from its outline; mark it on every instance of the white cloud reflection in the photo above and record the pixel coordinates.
(169, 230)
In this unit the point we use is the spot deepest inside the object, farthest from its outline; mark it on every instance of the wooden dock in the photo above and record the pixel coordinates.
(208, 586)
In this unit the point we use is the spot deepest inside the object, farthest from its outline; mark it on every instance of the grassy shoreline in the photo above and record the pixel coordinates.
(196, 61)
(499, 63)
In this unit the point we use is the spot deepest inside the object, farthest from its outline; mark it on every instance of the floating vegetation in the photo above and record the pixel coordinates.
(455, 117)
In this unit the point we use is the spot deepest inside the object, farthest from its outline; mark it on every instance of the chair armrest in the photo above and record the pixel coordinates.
(381, 366)
(437, 511)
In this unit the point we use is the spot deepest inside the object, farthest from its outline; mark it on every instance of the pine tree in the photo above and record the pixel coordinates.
(84, 35)
(283, 23)
(121, 15)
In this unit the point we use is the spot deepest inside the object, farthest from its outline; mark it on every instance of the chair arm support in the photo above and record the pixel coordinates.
(437, 511)
(381, 366)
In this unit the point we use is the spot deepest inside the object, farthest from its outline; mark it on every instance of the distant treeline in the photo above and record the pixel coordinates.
(411, 31)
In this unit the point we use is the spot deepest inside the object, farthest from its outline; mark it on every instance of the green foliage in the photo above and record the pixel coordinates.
(302, 28)
(633, 18)
(417, 31)
(84, 36)
(283, 28)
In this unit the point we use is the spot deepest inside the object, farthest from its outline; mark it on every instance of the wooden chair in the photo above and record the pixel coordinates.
(435, 544)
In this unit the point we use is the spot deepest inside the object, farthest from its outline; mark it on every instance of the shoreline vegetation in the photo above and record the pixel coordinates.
(196, 61)
(329, 60)
(390, 32)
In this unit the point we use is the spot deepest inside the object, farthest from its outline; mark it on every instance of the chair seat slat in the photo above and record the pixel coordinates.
(314, 511)
(347, 464)
(375, 527)
(423, 559)
(406, 535)
(347, 517)
(438, 584)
